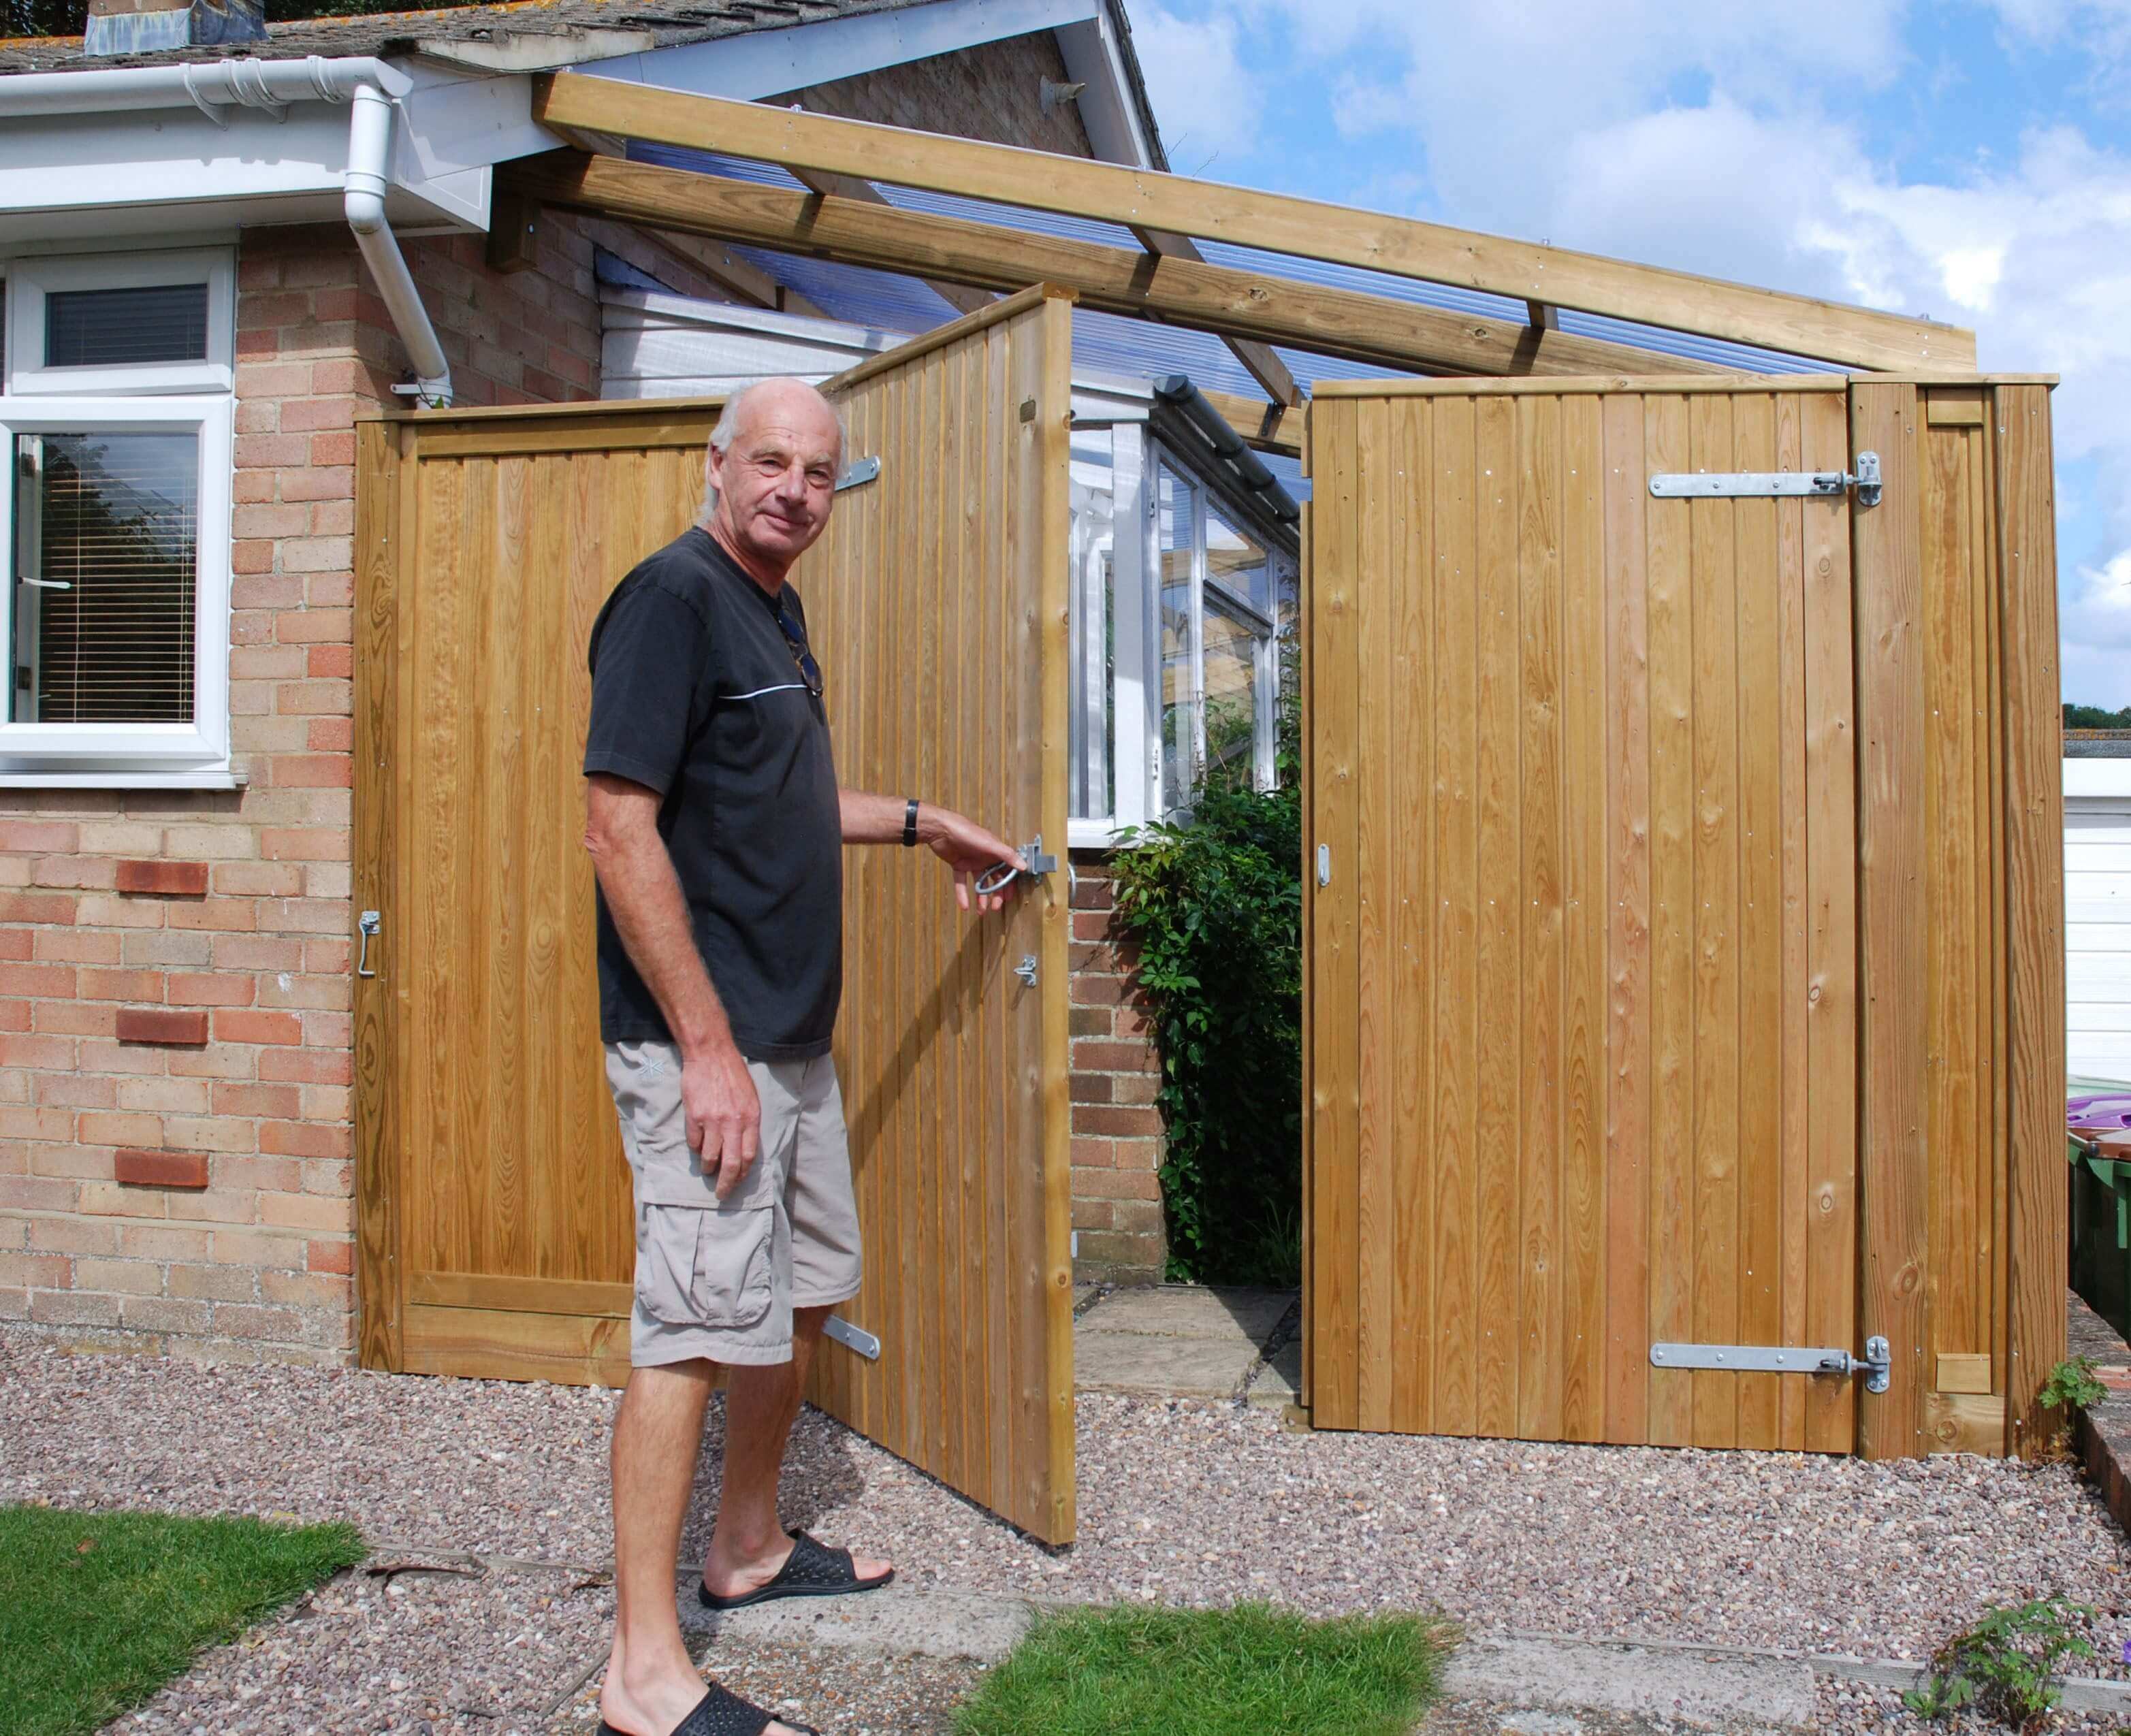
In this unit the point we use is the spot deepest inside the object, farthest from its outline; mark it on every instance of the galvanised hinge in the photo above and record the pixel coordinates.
(1763, 483)
(1876, 1365)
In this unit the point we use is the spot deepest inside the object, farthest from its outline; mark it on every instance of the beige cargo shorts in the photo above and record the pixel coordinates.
(719, 1277)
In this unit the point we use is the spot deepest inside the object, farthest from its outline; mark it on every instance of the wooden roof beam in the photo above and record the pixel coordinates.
(1259, 360)
(1276, 223)
(1206, 298)
(1271, 428)
(960, 296)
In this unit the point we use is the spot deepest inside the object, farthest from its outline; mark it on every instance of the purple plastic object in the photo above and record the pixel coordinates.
(2101, 1112)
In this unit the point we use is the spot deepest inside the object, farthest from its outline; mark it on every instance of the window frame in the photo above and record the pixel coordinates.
(135, 753)
(30, 281)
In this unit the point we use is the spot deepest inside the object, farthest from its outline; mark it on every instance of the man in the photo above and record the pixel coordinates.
(716, 825)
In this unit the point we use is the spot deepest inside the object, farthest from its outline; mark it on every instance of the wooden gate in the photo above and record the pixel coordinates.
(493, 1202)
(1679, 910)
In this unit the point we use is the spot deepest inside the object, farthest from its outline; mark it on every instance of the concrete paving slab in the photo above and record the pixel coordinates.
(895, 1621)
(1141, 1362)
(1192, 1311)
(1719, 1688)
(1280, 1381)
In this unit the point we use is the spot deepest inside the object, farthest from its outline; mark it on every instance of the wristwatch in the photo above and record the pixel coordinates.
(910, 823)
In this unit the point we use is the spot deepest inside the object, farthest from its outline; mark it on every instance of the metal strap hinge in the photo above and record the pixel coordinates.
(1752, 484)
(1876, 1365)
(853, 1338)
(862, 471)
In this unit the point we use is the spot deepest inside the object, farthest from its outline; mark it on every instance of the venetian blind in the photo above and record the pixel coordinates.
(107, 553)
(117, 327)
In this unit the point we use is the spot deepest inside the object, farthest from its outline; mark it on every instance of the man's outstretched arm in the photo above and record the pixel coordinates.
(963, 845)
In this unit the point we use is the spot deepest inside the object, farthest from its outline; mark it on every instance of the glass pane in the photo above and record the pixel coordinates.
(110, 328)
(1173, 505)
(106, 550)
(1235, 559)
(1232, 698)
(1089, 774)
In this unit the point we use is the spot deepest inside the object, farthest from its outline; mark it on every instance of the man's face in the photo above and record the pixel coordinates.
(777, 479)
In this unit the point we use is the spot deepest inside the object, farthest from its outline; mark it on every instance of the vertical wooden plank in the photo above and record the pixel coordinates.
(1628, 757)
(1956, 830)
(1054, 331)
(552, 819)
(378, 497)
(1453, 1276)
(1673, 701)
(1335, 1108)
(1497, 1327)
(1378, 492)
(1794, 977)
(1761, 960)
(506, 1226)
(1891, 704)
(1536, 1143)
(1715, 1265)
(1413, 714)
(1583, 1203)
(1000, 1055)
(1832, 962)
(2034, 889)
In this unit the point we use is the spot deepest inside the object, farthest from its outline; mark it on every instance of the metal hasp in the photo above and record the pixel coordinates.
(1762, 484)
(853, 1338)
(1026, 970)
(1876, 1365)
(998, 879)
(861, 473)
(367, 925)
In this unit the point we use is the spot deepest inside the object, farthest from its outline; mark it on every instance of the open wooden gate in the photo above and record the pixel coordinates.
(1684, 930)
(493, 1202)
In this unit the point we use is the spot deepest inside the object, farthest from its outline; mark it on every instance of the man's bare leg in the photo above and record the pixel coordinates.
(651, 1683)
(749, 1545)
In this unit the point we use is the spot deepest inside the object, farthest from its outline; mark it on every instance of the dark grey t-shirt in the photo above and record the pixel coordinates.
(696, 695)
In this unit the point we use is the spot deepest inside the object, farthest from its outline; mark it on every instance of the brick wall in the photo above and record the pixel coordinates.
(1117, 1131)
(176, 1040)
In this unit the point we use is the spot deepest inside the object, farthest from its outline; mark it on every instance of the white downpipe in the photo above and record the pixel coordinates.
(368, 84)
(369, 149)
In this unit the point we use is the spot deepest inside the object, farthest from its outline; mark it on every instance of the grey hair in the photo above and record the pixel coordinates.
(728, 425)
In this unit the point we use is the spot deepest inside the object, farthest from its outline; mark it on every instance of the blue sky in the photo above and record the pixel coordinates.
(1970, 159)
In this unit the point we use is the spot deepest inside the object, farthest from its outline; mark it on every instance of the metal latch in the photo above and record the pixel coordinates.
(1324, 864)
(1876, 1365)
(367, 924)
(853, 1338)
(1026, 970)
(862, 471)
(999, 878)
(1763, 483)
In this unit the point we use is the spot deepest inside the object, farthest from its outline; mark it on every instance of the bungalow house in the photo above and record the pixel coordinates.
(217, 261)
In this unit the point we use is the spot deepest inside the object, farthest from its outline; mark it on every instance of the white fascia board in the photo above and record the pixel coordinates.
(154, 171)
(2104, 779)
(1089, 49)
(771, 62)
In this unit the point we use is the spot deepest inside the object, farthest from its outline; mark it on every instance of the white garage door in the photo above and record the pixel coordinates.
(2098, 916)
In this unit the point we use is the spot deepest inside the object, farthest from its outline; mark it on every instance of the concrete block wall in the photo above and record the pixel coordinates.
(1116, 1074)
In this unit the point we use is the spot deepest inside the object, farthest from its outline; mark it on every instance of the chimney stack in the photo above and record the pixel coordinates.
(142, 27)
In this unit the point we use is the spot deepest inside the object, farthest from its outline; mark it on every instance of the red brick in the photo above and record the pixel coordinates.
(331, 661)
(331, 735)
(161, 1025)
(56, 980)
(331, 1256)
(166, 879)
(160, 1169)
(1098, 990)
(40, 837)
(120, 985)
(234, 1026)
(36, 908)
(1093, 1154)
(314, 771)
(1090, 1087)
(211, 988)
(304, 1139)
(308, 1066)
(1101, 1118)
(1115, 1058)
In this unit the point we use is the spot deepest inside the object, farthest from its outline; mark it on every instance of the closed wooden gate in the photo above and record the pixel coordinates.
(494, 1201)
(1677, 906)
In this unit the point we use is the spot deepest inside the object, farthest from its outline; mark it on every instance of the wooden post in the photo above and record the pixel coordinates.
(2034, 914)
(1892, 1174)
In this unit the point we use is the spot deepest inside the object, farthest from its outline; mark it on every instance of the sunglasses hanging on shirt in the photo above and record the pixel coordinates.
(795, 642)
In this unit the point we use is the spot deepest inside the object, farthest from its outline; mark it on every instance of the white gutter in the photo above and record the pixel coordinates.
(369, 85)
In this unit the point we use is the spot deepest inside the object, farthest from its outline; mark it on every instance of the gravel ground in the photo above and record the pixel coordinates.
(1184, 1502)
(839, 1693)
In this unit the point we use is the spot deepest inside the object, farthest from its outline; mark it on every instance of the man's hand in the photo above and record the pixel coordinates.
(968, 849)
(724, 1114)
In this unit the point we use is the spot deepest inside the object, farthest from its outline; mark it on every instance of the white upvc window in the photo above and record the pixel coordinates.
(1178, 604)
(121, 323)
(116, 431)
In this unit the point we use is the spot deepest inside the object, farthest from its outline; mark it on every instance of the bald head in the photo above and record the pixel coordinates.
(770, 475)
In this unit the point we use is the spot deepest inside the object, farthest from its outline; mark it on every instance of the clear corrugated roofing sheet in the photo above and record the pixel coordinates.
(1114, 344)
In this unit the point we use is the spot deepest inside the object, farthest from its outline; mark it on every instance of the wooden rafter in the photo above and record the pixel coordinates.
(960, 296)
(1206, 298)
(1259, 360)
(1276, 223)
(1271, 428)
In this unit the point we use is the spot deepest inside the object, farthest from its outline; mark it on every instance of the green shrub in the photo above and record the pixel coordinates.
(2006, 1665)
(1214, 907)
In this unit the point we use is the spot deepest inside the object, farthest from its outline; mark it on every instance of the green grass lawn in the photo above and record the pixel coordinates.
(98, 1610)
(1250, 1671)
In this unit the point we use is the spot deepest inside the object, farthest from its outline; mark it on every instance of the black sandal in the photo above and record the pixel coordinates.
(720, 1712)
(812, 1569)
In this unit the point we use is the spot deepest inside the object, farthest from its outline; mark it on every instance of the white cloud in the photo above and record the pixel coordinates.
(1207, 104)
